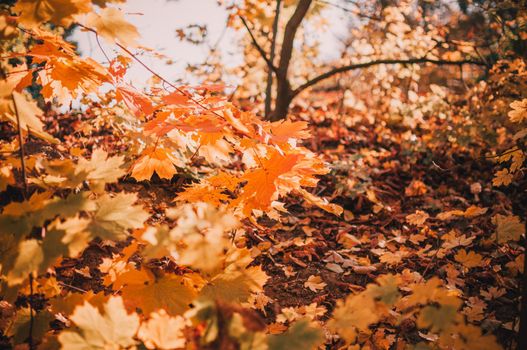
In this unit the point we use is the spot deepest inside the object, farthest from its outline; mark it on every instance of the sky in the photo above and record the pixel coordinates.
(157, 21)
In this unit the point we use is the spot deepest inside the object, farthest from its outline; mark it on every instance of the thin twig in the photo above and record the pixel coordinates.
(21, 142)
(31, 318)
(181, 91)
(72, 287)
(259, 48)
(269, 87)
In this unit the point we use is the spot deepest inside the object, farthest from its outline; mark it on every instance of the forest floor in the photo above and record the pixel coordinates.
(392, 195)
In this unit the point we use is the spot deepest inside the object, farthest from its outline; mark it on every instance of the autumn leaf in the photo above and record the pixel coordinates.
(176, 98)
(301, 335)
(474, 211)
(469, 259)
(6, 177)
(235, 286)
(27, 319)
(143, 290)
(352, 315)
(418, 218)
(115, 215)
(437, 318)
(289, 132)
(154, 159)
(261, 187)
(111, 25)
(423, 292)
(321, 202)
(393, 258)
(20, 217)
(386, 289)
(101, 168)
(162, 331)
(33, 13)
(519, 111)
(28, 113)
(112, 329)
(139, 104)
(508, 228)
(315, 283)
(502, 178)
(415, 189)
(27, 261)
(236, 281)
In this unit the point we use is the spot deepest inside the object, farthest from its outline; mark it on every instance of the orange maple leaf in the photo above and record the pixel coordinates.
(154, 159)
(261, 188)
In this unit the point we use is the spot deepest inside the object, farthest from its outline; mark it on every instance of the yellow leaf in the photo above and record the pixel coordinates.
(101, 168)
(437, 318)
(170, 292)
(35, 12)
(115, 215)
(354, 314)
(301, 335)
(23, 322)
(111, 25)
(28, 112)
(162, 331)
(114, 329)
(235, 286)
(393, 258)
(30, 256)
(386, 290)
(201, 232)
(422, 293)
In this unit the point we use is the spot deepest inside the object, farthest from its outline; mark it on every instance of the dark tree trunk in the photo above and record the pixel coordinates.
(283, 90)
(283, 100)
(522, 335)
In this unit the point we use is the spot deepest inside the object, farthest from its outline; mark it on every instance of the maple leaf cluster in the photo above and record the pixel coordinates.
(166, 220)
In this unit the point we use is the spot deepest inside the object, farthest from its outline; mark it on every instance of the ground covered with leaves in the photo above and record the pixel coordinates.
(172, 218)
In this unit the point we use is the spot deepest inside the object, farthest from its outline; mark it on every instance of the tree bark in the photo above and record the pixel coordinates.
(283, 89)
(522, 335)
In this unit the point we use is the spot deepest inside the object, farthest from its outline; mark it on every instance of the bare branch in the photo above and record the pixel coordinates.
(269, 87)
(258, 47)
(350, 67)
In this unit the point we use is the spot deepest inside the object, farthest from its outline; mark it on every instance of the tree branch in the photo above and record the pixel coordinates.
(258, 47)
(350, 67)
(269, 87)
(283, 88)
(289, 36)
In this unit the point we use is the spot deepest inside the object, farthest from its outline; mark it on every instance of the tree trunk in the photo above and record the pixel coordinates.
(283, 89)
(522, 335)
(284, 97)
